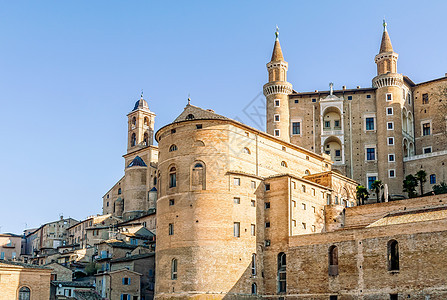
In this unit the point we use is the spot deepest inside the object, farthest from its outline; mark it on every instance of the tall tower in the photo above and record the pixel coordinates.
(390, 103)
(277, 92)
(140, 126)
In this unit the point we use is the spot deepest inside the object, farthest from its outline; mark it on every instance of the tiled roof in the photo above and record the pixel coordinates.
(386, 46)
(192, 112)
(20, 264)
(277, 52)
(404, 217)
(137, 162)
(73, 283)
(132, 257)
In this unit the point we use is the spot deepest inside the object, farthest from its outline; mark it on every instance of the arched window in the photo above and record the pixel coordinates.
(146, 121)
(307, 172)
(119, 191)
(281, 272)
(174, 269)
(172, 177)
(133, 140)
(333, 260)
(393, 256)
(173, 148)
(284, 164)
(146, 139)
(198, 181)
(190, 117)
(134, 121)
(253, 264)
(24, 293)
(254, 289)
(246, 150)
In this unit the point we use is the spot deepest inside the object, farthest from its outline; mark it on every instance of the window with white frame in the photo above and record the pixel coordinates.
(276, 118)
(370, 153)
(277, 102)
(389, 111)
(237, 181)
(426, 150)
(296, 128)
(391, 157)
(277, 132)
(390, 125)
(389, 97)
(391, 173)
(236, 229)
(426, 128)
(369, 124)
(370, 178)
(390, 141)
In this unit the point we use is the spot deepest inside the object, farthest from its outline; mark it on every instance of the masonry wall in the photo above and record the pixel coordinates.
(13, 278)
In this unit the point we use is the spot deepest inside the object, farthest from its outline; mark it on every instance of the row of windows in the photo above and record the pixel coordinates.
(133, 139)
(145, 121)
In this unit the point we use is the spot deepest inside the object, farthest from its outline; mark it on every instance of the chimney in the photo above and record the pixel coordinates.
(358, 86)
(344, 87)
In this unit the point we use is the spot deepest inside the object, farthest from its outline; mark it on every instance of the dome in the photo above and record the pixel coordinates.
(141, 104)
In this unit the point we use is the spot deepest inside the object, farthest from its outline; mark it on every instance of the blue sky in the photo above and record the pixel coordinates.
(71, 71)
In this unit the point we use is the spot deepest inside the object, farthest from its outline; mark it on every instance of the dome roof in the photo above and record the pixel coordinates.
(137, 162)
(141, 104)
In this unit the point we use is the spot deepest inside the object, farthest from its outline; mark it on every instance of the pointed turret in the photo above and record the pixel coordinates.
(386, 60)
(385, 46)
(277, 52)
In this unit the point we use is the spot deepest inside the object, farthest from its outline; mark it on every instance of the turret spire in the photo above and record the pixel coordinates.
(277, 53)
(385, 46)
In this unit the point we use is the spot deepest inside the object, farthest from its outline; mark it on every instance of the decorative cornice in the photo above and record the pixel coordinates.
(277, 64)
(386, 55)
(389, 79)
(277, 87)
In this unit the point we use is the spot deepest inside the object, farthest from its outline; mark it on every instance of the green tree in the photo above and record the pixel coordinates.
(377, 186)
(440, 188)
(421, 176)
(362, 194)
(91, 268)
(409, 186)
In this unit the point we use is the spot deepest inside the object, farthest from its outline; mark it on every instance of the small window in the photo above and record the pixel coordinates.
(337, 153)
(333, 260)
(267, 205)
(370, 153)
(426, 129)
(173, 148)
(333, 297)
(296, 127)
(24, 293)
(424, 98)
(294, 223)
(314, 100)
(237, 200)
(307, 172)
(253, 203)
(171, 229)
(371, 179)
(173, 131)
(254, 289)
(267, 243)
(190, 117)
(237, 181)
(253, 229)
(389, 97)
(171, 202)
(390, 125)
(369, 122)
(432, 178)
(267, 186)
(393, 255)
(303, 206)
(313, 228)
(119, 191)
(391, 173)
(391, 158)
(253, 184)
(277, 102)
(368, 96)
(267, 224)
(126, 281)
(389, 111)
(236, 229)
(327, 124)
(276, 118)
(297, 101)
(284, 164)
(426, 150)
(303, 188)
(174, 269)
(293, 203)
(107, 203)
(172, 177)
(134, 121)
(394, 296)
(253, 264)
(349, 97)
(303, 225)
(276, 132)
(337, 124)
(199, 126)
(390, 141)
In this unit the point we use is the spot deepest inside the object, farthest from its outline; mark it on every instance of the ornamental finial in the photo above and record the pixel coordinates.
(141, 93)
(384, 24)
(331, 86)
(277, 32)
(189, 99)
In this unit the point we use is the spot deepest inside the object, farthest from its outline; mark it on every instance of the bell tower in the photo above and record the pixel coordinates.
(276, 92)
(140, 126)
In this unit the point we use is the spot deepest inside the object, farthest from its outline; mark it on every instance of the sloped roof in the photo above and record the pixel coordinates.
(23, 265)
(192, 112)
(137, 162)
(404, 217)
(133, 257)
(386, 46)
(277, 52)
(137, 231)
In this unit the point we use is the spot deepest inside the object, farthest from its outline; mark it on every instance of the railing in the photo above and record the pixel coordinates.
(330, 131)
(420, 156)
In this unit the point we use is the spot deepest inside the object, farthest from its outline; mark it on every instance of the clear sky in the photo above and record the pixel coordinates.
(70, 71)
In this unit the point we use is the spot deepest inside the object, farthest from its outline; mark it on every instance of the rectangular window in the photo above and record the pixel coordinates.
(237, 229)
(237, 181)
(327, 124)
(267, 224)
(391, 158)
(313, 192)
(253, 203)
(276, 132)
(337, 124)
(296, 127)
(426, 129)
(391, 173)
(267, 205)
(314, 100)
(368, 96)
(199, 126)
(432, 178)
(253, 229)
(390, 125)
(253, 184)
(371, 179)
(126, 281)
(333, 297)
(370, 153)
(267, 243)
(390, 141)
(125, 297)
(276, 118)
(293, 203)
(313, 228)
(171, 229)
(424, 98)
(394, 296)
(237, 200)
(349, 97)
(389, 111)
(171, 202)
(426, 150)
(313, 209)
(337, 153)
(303, 188)
(172, 180)
(389, 97)
(267, 186)
(328, 199)
(336, 199)
(297, 101)
(294, 223)
(303, 206)
(303, 225)
(277, 102)
(369, 123)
